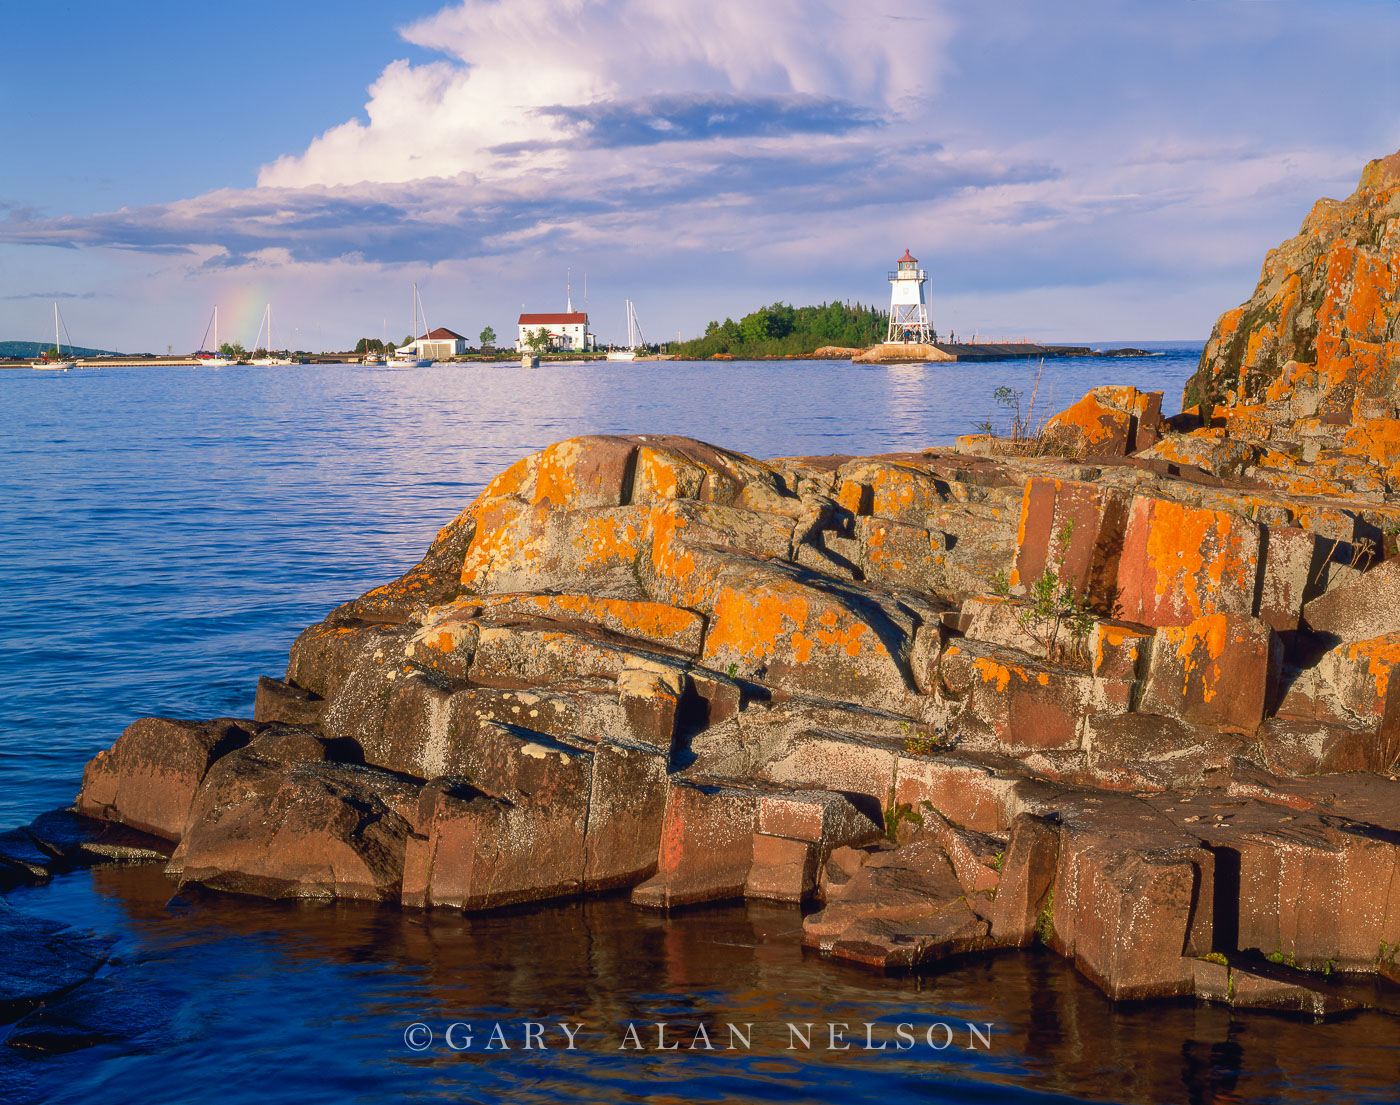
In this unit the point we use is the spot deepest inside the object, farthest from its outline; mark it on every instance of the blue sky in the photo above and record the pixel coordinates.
(1106, 169)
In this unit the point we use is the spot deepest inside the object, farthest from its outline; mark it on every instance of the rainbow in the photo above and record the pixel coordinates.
(240, 313)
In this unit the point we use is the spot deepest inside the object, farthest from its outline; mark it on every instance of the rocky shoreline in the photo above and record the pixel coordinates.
(1123, 689)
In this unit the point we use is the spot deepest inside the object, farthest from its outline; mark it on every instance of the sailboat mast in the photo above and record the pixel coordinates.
(56, 344)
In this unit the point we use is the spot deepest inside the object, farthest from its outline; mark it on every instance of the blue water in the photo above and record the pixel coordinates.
(165, 533)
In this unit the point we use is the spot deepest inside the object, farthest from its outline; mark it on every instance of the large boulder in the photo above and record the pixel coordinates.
(278, 820)
(902, 909)
(1108, 422)
(148, 778)
(1361, 609)
(1220, 669)
(1181, 561)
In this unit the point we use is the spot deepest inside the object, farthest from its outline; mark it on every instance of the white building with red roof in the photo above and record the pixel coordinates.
(568, 330)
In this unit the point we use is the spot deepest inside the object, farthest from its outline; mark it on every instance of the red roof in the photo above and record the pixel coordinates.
(908, 257)
(563, 318)
(442, 333)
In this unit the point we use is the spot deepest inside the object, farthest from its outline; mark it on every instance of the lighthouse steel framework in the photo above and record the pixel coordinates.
(908, 312)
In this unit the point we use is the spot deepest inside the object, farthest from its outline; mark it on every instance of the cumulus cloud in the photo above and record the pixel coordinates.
(526, 75)
(729, 198)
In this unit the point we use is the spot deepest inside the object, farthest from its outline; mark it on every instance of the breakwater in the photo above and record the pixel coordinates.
(1009, 351)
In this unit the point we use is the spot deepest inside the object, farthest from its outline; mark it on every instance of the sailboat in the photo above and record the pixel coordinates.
(406, 357)
(271, 358)
(634, 337)
(58, 364)
(215, 359)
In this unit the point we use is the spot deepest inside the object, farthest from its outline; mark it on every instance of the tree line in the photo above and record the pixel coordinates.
(780, 329)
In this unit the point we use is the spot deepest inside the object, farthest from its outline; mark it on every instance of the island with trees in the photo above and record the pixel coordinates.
(781, 330)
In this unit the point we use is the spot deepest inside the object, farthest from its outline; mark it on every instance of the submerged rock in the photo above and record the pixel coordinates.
(41, 959)
(108, 1010)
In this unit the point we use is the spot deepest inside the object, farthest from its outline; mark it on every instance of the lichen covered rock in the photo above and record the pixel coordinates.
(958, 702)
(1311, 359)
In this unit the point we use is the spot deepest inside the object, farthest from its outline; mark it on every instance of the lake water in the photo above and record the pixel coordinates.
(165, 533)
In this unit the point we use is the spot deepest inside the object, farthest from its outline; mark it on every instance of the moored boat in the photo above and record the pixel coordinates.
(215, 359)
(270, 357)
(401, 357)
(57, 364)
(634, 337)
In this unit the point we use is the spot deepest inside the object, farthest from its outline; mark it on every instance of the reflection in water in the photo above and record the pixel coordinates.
(314, 1000)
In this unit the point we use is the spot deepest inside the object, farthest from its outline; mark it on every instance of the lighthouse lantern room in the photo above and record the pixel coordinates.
(908, 312)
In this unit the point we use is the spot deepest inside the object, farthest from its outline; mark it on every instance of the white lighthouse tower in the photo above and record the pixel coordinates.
(908, 313)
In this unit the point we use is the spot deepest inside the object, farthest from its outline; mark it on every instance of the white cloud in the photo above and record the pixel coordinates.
(515, 61)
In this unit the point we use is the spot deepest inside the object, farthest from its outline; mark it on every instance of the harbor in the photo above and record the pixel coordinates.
(906, 334)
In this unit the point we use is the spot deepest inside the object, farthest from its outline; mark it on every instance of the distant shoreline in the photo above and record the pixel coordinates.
(1117, 350)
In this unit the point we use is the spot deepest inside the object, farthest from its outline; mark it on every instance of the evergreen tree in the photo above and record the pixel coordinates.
(780, 329)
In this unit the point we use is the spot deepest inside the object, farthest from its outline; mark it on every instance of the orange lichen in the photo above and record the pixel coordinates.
(556, 480)
(1381, 655)
(1113, 637)
(751, 623)
(1194, 559)
(662, 475)
(1199, 646)
(607, 538)
(650, 620)
(992, 672)
(1098, 423)
(850, 496)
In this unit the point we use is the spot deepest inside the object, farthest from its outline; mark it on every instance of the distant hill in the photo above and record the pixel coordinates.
(34, 348)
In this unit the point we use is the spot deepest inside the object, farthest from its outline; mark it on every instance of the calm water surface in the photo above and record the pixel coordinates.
(165, 533)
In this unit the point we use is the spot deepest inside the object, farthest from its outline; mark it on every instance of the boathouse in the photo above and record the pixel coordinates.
(438, 344)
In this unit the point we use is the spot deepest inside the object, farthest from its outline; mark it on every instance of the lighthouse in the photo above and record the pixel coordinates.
(908, 313)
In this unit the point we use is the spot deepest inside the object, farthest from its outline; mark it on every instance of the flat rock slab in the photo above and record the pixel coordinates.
(902, 909)
(41, 959)
(73, 840)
